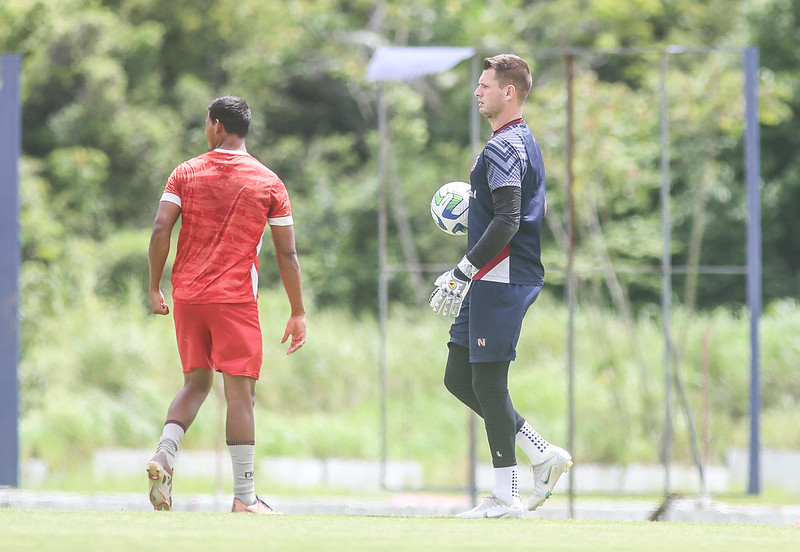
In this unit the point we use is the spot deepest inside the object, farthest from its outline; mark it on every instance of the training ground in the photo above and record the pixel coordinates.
(418, 504)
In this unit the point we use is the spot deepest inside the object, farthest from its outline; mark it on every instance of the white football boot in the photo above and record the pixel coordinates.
(493, 507)
(260, 507)
(159, 476)
(546, 474)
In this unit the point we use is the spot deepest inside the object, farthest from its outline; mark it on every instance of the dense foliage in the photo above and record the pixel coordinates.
(115, 91)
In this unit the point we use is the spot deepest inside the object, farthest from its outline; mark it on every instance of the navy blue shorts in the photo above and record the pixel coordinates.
(490, 320)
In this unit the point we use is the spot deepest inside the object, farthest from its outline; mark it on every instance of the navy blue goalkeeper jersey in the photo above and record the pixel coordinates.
(511, 158)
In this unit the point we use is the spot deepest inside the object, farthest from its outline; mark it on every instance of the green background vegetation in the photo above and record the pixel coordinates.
(114, 96)
(109, 386)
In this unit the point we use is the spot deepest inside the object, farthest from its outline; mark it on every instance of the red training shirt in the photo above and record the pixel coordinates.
(226, 198)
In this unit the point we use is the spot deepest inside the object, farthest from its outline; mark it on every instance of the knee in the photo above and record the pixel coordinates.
(457, 386)
(458, 371)
(243, 400)
(448, 382)
(489, 391)
(198, 385)
(240, 391)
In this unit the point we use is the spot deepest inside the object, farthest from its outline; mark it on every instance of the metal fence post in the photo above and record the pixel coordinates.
(10, 148)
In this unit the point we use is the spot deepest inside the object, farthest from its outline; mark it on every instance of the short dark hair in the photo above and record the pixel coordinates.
(511, 69)
(233, 113)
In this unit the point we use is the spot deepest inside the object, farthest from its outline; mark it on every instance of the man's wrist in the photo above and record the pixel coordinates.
(467, 268)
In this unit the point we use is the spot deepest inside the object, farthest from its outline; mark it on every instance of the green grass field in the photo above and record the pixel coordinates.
(43, 530)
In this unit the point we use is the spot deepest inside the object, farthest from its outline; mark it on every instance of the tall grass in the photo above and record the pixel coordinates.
(98, 371)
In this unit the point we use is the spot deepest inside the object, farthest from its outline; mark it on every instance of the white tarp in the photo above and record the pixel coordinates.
(408, 62)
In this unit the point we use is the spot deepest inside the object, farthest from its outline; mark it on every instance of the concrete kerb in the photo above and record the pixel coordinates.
(359, 492)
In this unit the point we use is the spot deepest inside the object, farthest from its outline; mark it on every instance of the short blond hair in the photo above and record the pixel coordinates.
(511, 69)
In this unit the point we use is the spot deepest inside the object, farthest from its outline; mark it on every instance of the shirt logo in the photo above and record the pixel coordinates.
(481, 342)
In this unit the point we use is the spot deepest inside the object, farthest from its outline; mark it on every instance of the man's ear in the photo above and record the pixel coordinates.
(511, 91)
(219, 128)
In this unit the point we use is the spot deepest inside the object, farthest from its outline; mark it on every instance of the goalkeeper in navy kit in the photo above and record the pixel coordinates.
(494, 284)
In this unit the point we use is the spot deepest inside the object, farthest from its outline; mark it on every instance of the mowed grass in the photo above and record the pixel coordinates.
(42, 530)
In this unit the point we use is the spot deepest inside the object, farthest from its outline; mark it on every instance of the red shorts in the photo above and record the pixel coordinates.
(224, 336)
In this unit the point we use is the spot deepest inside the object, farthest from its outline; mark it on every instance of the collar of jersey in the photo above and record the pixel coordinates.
(235, 152)
(508, 124)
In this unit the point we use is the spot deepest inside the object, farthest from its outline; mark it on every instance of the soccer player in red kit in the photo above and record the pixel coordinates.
(225, 199)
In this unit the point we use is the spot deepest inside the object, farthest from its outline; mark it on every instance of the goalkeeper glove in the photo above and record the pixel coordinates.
(451, 288)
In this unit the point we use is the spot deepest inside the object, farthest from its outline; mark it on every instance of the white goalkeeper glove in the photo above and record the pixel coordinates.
(451, 288)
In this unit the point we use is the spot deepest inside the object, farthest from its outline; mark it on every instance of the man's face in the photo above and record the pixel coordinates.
(491, 96)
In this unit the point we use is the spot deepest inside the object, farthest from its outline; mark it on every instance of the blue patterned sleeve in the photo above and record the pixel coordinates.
(504, 162)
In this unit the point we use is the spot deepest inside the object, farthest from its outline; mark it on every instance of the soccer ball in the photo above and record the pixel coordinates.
(449, 207)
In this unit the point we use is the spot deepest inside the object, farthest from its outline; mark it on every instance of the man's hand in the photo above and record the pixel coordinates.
(157, 303)
(296, 327)
(451, 288)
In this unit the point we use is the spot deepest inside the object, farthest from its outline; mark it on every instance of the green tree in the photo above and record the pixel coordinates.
(776, 30)
(115, 91)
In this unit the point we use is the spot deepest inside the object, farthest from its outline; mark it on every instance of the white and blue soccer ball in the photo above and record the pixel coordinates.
(450, 206)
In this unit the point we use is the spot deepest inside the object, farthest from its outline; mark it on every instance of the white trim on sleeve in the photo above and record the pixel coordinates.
(172, 198)
(281, 221)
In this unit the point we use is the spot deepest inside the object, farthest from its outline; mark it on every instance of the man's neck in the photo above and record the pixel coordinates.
(503, 119)
(233, 143)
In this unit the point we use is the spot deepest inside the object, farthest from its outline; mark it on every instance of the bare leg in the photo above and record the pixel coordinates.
(180, 415)
(187, 403)
(240, 394)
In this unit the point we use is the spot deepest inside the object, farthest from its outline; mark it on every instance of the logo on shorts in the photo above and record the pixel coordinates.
(481, 342)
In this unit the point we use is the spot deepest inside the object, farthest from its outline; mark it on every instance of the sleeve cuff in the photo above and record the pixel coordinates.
(467, 267)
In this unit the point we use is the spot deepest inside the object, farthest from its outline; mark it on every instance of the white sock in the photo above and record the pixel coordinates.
(242, 460)
(532, 444)
(170, 440)
(506, 486)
